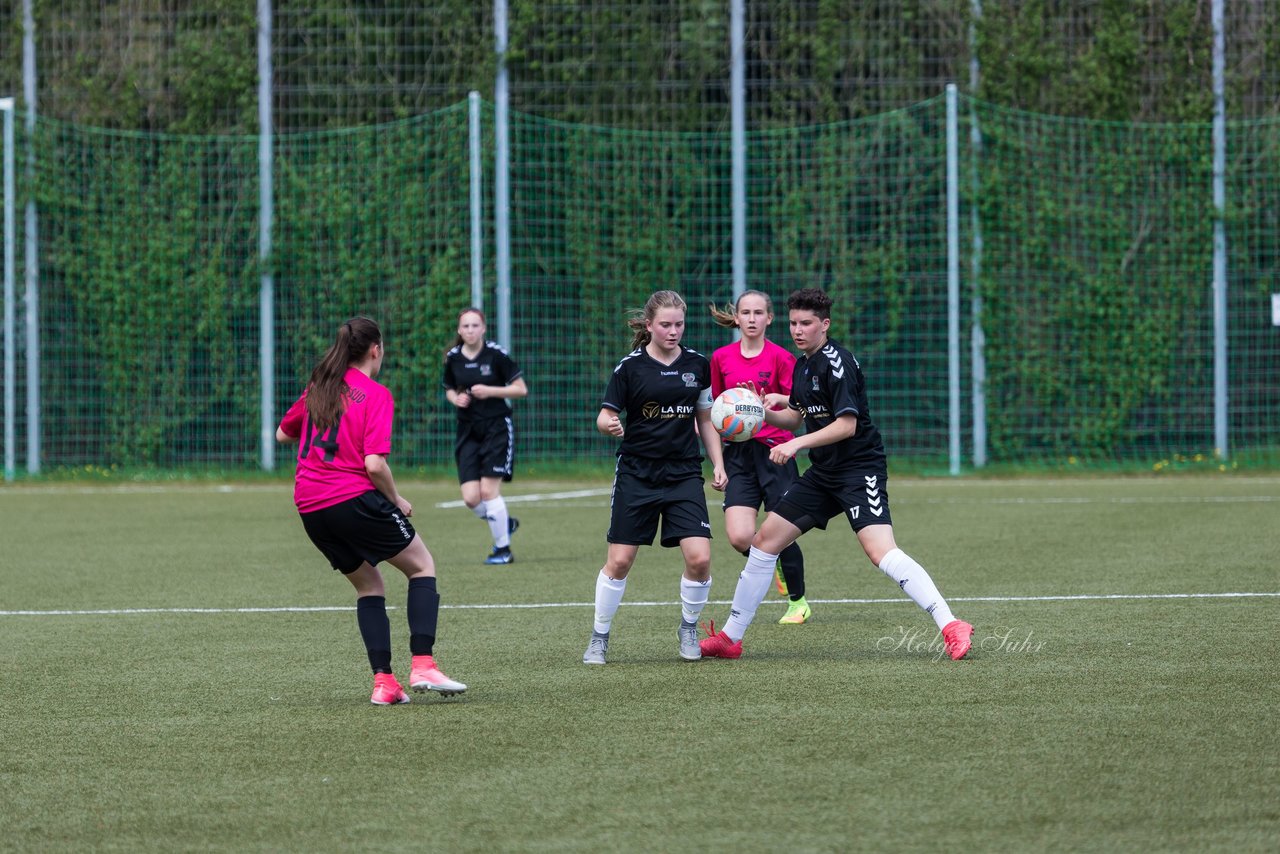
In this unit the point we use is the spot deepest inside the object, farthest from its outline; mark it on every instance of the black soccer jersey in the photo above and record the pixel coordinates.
(825, 386)
(491, 367)
(660, 403)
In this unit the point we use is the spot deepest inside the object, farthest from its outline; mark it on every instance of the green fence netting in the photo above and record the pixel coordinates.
(1087, 246)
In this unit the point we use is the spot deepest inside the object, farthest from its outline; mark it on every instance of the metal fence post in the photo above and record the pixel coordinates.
(953, 274)
(266, 296)
(10, 346)
(477, 201)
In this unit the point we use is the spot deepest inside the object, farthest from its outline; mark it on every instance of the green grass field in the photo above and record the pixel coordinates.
(182, 672)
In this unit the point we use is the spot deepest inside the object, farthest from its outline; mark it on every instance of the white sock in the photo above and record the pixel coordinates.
(481, 511)
(608, 597)
(753, 584)
(498, 522)
(916, 583)
(693, 598)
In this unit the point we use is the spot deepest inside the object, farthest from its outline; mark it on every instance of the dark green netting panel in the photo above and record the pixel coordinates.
(1094, 277)
(1096, 283)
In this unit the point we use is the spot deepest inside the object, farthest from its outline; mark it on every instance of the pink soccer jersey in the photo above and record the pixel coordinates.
(331, 462)
(769, 372)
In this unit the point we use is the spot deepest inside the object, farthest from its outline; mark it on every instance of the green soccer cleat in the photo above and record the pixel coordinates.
(798, 611)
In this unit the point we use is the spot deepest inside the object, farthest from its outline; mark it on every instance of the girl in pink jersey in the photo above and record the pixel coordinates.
(351, 509)
(757, 363)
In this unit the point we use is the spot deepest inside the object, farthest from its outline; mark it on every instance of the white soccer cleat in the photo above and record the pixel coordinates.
(425, 676)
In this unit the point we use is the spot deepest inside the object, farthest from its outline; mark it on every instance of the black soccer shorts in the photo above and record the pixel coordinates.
(485, 448)
(819, 496)
(640, 501)
(365, 528)
(753, 479)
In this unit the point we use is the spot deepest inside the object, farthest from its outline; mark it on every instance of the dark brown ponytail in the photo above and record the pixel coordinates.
(327, 388)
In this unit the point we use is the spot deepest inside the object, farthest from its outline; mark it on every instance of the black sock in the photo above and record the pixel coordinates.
(793, 571)
(375, 629)
(424, 608)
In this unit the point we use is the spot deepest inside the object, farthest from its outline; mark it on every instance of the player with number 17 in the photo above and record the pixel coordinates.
(847, 475)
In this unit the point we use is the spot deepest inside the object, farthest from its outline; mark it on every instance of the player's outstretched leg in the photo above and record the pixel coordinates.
(916, 583)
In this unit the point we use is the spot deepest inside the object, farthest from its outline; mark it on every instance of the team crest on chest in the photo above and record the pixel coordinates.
(690, 380)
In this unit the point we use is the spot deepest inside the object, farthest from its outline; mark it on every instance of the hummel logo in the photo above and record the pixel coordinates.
(873, 495)
(833, 357)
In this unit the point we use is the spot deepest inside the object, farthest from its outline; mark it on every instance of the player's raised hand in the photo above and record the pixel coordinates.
(776, 400)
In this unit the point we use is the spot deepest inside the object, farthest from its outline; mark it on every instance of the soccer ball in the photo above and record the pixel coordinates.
(737, 414)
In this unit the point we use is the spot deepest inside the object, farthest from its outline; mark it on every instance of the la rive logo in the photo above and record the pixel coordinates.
(653, 409)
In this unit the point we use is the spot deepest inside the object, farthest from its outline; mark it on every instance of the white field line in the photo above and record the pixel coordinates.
(1072, 597)
(538, 496)
(715, 501)
(599, 492)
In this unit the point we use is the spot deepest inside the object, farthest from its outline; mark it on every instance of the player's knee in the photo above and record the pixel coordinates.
(617, 568)
(698, 567)
(768, 542)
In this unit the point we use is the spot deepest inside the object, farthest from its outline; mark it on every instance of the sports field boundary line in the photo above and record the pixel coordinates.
(536, 496)
(712, 500)
(515, 606)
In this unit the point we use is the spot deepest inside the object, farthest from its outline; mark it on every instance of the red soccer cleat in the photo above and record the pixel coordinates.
(957, 636)
(718, 644)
